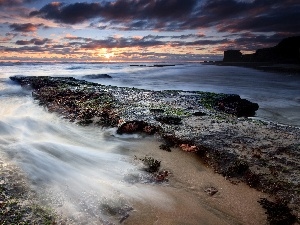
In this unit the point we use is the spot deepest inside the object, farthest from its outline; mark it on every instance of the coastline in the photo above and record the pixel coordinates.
(262, 155)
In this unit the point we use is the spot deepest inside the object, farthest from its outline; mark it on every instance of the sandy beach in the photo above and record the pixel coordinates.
(188, 190)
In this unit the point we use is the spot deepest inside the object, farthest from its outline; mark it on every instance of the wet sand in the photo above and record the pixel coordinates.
(186, 189)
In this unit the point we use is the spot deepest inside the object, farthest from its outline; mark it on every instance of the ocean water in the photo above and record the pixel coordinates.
(278, 95)
(75, 168)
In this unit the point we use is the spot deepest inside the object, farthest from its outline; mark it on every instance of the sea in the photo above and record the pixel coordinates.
(76, 169)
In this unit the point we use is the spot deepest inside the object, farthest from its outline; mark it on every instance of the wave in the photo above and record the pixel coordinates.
(76, 68)
(76, 170)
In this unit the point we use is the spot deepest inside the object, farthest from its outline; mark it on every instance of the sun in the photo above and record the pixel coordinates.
(105, 54)
(109, 55)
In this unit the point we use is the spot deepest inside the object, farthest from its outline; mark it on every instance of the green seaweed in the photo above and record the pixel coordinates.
(209, 99)
(13, 211)
(168, 110)
(152, 165)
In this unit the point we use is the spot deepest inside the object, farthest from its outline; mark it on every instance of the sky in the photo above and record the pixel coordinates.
(141, 30)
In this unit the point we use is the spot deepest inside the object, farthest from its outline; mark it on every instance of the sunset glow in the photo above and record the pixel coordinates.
(141, 30)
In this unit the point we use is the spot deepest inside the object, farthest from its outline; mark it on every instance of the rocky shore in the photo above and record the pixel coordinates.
(266, 156)
(18, 204)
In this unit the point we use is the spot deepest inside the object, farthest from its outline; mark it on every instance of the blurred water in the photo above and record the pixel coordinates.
(79, 171)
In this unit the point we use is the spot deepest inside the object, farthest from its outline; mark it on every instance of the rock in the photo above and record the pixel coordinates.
(97, 76)
(152, 165)
(162, 65)
(188, 148)
(199, 114)
(233, 104)
(161, 176)
(157, 111)
(136, 126)
(165, 147)
(238, 168)
(278, 212)
(211, 191)
(169, 120)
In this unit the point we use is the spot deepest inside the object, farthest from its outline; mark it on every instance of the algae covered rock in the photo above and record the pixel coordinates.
(233, 104)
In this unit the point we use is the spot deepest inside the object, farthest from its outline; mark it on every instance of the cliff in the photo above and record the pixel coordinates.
(287, 51)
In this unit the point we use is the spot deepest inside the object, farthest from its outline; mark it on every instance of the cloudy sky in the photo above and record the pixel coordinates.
(141, 30)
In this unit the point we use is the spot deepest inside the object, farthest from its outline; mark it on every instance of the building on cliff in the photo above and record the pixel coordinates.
(287, 51)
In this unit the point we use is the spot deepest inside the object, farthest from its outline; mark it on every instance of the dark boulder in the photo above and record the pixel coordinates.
(233, 104)
(135, 127)
(157, 111)
(199, 114)
(278, 212)
(97, 76)
(169, 120)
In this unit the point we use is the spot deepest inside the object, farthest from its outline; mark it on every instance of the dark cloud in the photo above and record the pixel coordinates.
(69, 14)
(25, 27)
(152, 56)
(176, 15)
(120, 43)
(118, 10)
(148, 9)
(256, 16)
(9, 3)
(249, 41)
(73, 38)
(33, 49)
(34, 41)
(283, 19)
(22, 42)
(212, 11)
(147, 41)
(186, 36)
(202, 42)
(11, 35)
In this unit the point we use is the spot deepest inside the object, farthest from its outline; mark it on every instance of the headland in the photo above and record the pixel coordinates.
(284, 57)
